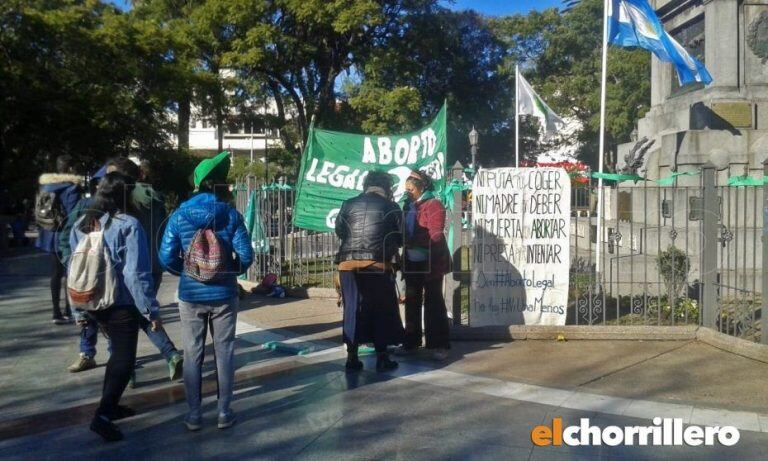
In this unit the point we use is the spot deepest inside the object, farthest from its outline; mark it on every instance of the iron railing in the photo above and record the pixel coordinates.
(668, 253)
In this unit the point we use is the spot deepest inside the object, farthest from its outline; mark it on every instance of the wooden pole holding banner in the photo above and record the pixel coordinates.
(517, 116)
(601, 144)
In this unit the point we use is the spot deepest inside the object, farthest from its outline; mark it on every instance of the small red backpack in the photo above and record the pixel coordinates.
(206, 257)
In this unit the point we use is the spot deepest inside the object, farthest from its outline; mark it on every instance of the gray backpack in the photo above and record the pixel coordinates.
(91, 280)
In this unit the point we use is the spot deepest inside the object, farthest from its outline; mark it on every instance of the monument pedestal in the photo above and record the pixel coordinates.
(731, 114)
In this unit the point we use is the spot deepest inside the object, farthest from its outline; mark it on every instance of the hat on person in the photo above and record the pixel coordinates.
(100, 173)
(215, 168)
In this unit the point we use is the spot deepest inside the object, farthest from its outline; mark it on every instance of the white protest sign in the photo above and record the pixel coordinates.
(520, 250)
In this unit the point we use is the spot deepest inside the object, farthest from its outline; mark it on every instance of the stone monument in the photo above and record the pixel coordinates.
(725, 122)
(726, 119)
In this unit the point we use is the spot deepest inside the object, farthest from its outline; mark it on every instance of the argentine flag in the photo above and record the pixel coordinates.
(634, 23)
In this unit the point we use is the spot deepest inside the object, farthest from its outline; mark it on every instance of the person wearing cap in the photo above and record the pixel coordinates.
(370, 229)
(213, 302)
(427, 260)
(150, 219)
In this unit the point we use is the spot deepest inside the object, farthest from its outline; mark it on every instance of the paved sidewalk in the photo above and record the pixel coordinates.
(480, 404)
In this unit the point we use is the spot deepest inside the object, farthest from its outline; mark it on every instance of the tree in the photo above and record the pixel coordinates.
(560, 53)
(78, 78)
(454, 57)
(569, 72)
(300, 48)
(382, 111)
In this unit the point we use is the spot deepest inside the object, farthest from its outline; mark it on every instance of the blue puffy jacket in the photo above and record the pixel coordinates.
(196, 213)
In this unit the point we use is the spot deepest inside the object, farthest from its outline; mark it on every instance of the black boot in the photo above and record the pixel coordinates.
(106, 429)
(383, 363)
(353, 362)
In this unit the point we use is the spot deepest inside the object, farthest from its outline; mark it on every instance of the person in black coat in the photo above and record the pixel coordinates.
(370, 228)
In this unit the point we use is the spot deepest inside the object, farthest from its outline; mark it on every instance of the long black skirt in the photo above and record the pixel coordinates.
(371, 313)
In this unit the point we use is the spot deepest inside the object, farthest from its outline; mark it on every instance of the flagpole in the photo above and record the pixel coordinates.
(601, 144)
(517, 117)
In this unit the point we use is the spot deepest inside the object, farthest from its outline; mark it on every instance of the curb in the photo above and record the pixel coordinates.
(731, 344)
(734, 345)
(574, 332)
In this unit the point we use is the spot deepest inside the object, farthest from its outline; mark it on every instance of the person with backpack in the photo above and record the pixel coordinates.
(59, 193)
(110, 277)
(151, 216)
(206, 242)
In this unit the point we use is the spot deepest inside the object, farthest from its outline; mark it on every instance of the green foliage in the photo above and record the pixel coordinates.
(84, 78)
(172, 172)
(242, 168)
(79, 78)
(450, 56)
(568, 77)
(673, 265)
(382, 111)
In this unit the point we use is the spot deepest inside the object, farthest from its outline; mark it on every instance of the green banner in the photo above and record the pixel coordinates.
(335, 164)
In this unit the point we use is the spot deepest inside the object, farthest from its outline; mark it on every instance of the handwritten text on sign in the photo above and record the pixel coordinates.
(520, 250)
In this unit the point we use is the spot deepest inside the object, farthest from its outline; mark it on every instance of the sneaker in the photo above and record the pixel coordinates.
(132, 380)
(193, 423)
(175, 367)
(81, 364)
(226, 421)
(106, 429)
(440, 354)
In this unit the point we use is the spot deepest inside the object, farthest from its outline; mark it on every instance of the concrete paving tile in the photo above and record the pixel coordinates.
(546, 454)
(649, 410)
(738, 419)
(751, 446)
(763, 419)
(341, 444)
(596, 403)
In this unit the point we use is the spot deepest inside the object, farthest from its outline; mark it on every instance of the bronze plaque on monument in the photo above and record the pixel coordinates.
(738, 114)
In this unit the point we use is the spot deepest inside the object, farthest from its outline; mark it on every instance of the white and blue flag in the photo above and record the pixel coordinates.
(634, 23)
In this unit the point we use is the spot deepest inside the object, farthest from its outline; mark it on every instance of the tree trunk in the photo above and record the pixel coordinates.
(220, 127)
(183, 128)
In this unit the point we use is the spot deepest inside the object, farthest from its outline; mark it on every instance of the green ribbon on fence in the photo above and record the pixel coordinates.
(255, 225)
(617, 177)
(746, 181)
(446, 197)
(276, 186)
(666, 181)
(670, 180)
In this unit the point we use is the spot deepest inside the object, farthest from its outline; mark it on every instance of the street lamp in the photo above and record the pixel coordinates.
(473, 137)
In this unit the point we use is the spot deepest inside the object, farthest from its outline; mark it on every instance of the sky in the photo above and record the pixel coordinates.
(502, 7)
(489, 7)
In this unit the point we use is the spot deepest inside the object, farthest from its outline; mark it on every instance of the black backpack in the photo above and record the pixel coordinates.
(49, 212)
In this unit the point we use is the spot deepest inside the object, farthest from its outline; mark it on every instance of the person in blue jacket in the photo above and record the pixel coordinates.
(68, 188)
(135, 294)
(213, 303)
